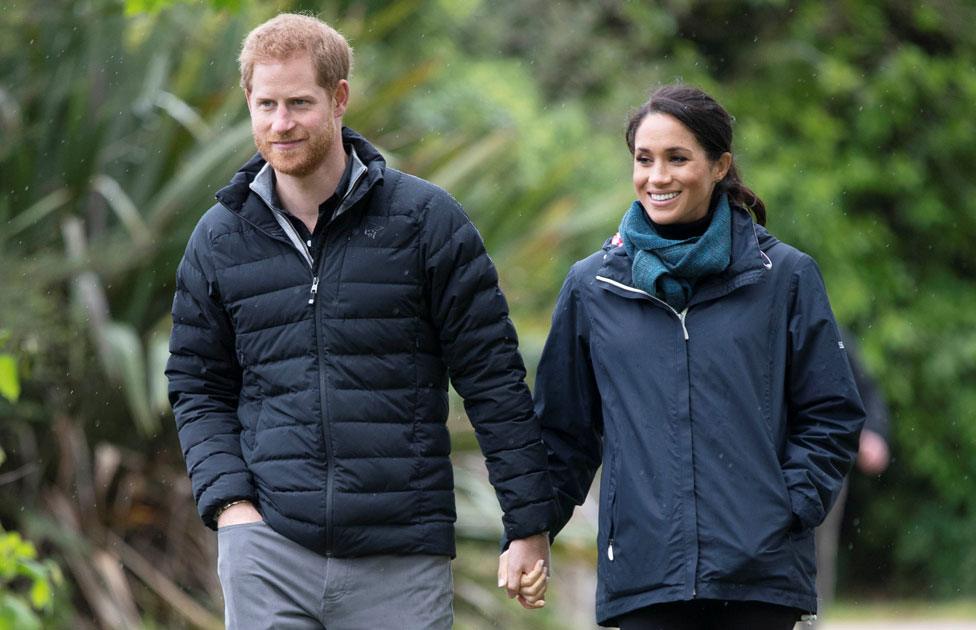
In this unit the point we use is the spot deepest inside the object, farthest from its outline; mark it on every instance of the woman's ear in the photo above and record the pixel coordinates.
(722, 166)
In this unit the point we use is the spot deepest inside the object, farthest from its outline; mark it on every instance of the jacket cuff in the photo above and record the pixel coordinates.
(807, 511)
(232, 487)
(527, 520)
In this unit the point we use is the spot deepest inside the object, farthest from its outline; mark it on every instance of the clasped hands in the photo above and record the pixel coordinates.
(523, 570)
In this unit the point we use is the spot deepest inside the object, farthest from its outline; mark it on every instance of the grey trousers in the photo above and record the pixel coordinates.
(270, 581)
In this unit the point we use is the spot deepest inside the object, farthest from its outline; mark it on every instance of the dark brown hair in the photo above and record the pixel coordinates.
(711, 126)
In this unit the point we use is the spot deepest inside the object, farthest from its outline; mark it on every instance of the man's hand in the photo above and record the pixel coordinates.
(239, 514)
(523, 570)
(873, 454)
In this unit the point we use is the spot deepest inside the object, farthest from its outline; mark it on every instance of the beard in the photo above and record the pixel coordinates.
(302, 160)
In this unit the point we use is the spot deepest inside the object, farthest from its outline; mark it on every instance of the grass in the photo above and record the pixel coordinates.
(903, 609)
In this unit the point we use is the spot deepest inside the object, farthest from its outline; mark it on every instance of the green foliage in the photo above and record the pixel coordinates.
(9, 377)
(133, 7)
(853, 122)
(26, 583)
(9, 381)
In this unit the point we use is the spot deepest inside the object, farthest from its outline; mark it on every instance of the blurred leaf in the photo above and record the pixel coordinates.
(15, 614)
(36, 212)
(126, 363)
(40, 593)
(9, 379)
(157, 356)
(124, 208)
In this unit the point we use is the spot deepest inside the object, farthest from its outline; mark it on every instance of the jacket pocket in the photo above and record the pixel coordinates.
(608, 519)
(804, 559)
(636, 555)
(610, 526)
(747, 540)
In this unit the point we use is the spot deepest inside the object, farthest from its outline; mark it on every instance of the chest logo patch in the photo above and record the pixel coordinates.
(372, 230)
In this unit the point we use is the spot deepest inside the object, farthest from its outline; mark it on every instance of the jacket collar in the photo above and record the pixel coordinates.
(249, 193)
(749, 263)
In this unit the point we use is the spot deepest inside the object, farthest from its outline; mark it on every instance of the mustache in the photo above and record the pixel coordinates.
(285, 138)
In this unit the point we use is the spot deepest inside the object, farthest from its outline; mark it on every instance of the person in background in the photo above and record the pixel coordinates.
(321, 307)
(696, 357)
(873, 457)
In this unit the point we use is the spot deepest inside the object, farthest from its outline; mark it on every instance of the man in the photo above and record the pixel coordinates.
(320, 306)
(873, 457)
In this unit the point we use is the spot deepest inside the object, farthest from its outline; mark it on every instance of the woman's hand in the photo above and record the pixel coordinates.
(523, 570)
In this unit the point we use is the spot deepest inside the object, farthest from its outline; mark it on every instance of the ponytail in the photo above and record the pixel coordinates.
(742, 196)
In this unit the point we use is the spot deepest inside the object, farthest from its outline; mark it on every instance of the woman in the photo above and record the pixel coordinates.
(697, 358)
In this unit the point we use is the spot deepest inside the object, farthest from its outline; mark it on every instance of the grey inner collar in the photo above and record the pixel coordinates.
(264, 182)
(263, 186)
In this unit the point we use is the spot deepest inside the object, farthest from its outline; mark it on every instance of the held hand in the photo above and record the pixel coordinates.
(533, 586)
(239, 514)
(873, 455)
(523, 570)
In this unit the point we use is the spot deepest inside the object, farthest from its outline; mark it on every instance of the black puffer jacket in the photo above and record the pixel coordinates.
(326, 407)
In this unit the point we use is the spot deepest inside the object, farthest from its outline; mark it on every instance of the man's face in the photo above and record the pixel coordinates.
(295, 121)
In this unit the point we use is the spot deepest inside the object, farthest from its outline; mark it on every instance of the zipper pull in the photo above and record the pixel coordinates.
(610, 550)
(315, 289)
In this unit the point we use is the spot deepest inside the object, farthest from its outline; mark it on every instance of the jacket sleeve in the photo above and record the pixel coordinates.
(204, 385)
(568, 404)
(480, 349)
(825, 410)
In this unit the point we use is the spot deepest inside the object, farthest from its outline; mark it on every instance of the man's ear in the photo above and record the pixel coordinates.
(247, 99)
(340, 98)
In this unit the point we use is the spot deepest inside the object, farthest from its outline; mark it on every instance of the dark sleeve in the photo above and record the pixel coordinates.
(568, 404)
(204, 385)
(825, 410)
(874, 402)
(480, 349)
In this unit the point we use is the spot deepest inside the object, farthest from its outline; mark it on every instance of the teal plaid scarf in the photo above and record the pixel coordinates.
(669, 269)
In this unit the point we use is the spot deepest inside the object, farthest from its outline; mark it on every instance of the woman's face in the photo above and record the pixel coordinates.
(673, 175)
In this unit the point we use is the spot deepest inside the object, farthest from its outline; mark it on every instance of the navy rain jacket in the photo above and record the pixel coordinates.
(724, 431)
(318, 389)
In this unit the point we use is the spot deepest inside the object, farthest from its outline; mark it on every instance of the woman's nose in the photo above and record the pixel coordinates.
(660, 173)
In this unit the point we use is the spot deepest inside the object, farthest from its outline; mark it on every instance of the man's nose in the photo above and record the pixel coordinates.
(282, 120)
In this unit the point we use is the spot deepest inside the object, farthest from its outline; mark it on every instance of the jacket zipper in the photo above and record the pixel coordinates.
(682, 316)
(320, 351)
(302, 248)
(314, 291)
(694, 501)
